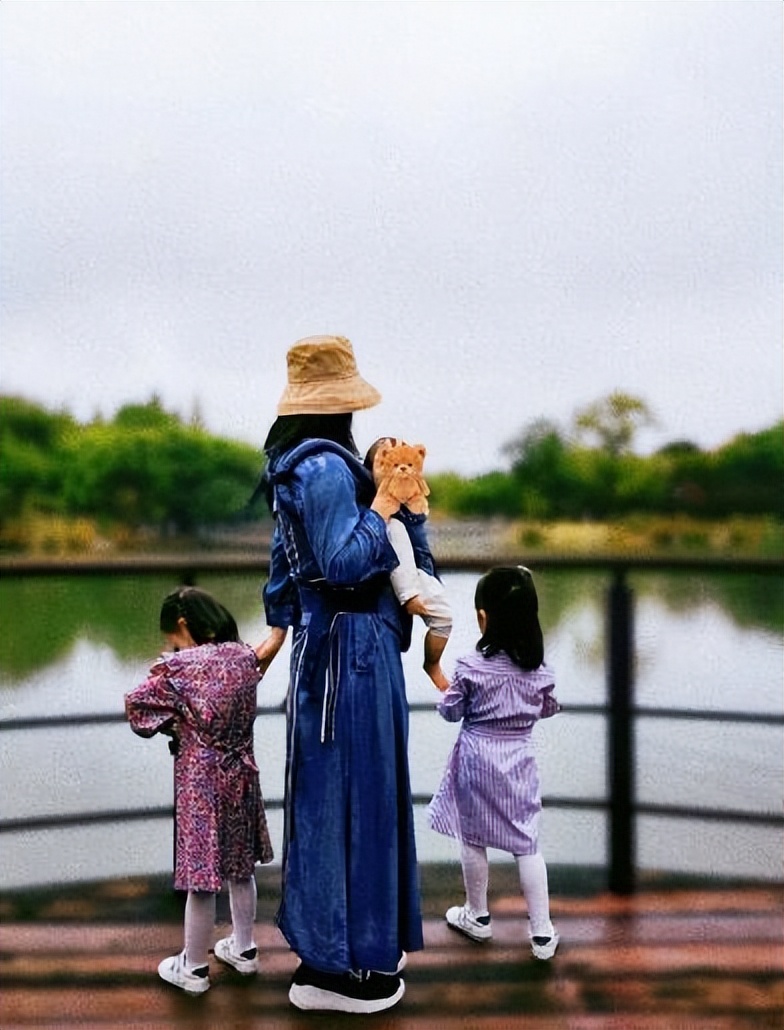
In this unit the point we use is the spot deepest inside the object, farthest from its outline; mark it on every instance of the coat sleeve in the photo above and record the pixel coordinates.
(153, 706)
(279, 593)
(349, 543)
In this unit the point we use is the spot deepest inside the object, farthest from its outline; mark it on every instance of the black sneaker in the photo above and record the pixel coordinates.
(344, 992)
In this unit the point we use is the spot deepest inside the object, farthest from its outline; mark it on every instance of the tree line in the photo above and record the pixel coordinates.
(588, 470)
(149, 467)
(145, 467)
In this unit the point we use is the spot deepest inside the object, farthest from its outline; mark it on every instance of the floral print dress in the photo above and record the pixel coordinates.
(205, 698)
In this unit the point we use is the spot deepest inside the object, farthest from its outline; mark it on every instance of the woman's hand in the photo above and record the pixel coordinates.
(384, 503)
(268, 648)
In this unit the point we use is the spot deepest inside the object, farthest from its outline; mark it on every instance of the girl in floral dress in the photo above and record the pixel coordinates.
(203, 695)
(489, 795)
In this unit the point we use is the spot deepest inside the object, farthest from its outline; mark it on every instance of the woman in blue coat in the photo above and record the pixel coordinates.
(350, 901)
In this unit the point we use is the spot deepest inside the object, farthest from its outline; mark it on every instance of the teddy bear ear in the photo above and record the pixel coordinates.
(420, 449)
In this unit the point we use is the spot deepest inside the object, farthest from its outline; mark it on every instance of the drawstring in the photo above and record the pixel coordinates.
(331, 682)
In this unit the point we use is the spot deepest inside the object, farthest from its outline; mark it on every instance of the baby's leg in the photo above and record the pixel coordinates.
(434, 648)
(242, 900)
(439, 626)
(199, 926)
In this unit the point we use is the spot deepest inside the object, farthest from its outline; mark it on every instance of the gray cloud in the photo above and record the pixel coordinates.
(511, 208)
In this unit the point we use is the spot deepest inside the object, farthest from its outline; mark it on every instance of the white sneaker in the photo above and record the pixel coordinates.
(478, 928)
(544, 947)
(245, 962)
(174, 971)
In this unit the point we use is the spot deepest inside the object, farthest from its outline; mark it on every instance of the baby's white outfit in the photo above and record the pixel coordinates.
(409, 581)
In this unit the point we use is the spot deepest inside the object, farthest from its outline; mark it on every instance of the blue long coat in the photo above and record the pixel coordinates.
(350, 885)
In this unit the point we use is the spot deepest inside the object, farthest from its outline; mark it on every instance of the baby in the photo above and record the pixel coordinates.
(417, 587)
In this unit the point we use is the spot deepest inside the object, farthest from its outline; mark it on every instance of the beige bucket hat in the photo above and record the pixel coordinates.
(323, 379)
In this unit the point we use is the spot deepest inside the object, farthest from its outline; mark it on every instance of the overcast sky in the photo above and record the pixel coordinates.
(511, 209)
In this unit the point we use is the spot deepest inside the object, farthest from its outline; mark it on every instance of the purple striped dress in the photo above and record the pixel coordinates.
(489, 795)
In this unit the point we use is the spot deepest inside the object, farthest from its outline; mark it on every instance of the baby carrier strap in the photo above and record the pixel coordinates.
(282, 468)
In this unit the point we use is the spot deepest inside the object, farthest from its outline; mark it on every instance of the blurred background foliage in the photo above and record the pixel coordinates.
(148, 476)
(144, 472)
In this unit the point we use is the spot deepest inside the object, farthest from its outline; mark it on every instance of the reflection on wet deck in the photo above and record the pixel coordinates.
(704, 957)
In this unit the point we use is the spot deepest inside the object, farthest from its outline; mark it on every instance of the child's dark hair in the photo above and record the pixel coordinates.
(207, 620)
(371, 452)
(508, 596)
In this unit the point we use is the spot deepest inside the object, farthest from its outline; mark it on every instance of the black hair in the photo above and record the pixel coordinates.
(289, 430)
(207, 620)
(508, 597)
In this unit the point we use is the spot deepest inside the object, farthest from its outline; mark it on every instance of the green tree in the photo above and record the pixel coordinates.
(151, 415)
(614, 421)
(171, 476)
(539, 466)
(494, 493)
(747, 474)
(31, 444)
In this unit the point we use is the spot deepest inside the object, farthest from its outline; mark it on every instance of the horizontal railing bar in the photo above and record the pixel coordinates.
(58, 822)
(729, 815)
(35, 722)
(242, 563)
(707, 715)
(53, 822)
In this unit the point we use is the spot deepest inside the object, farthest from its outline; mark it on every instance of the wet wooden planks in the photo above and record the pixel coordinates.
(662, 960)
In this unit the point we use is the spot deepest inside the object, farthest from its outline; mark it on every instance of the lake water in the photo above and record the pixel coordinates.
(713, 641)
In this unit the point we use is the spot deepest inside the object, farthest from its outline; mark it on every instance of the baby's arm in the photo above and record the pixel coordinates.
(405, 581)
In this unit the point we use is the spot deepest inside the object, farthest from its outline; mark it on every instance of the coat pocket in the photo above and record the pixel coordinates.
(363, 640)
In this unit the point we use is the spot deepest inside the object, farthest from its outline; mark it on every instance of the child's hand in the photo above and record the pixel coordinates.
(416, 606)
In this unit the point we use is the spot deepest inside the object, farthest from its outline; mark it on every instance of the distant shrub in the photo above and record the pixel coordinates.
(531, 536)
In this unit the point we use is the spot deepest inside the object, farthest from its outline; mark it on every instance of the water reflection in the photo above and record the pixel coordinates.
(710, 641)
(50, 615)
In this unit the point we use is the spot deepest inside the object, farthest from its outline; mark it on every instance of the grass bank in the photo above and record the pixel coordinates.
(665, 536)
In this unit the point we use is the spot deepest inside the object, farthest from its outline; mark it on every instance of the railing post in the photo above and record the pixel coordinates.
(621, 760)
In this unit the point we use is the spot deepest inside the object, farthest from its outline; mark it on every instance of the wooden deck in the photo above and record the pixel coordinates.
(679, 958)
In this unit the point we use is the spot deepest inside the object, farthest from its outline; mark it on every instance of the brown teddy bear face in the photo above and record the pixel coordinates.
(397, 468)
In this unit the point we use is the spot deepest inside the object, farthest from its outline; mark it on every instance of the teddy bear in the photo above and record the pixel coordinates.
(397, 470)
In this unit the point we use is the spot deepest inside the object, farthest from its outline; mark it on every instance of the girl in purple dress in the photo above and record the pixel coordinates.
(203, 695)
(489, 795)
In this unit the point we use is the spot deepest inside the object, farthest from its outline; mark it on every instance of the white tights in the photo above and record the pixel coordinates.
(200, 920)
(533, 883)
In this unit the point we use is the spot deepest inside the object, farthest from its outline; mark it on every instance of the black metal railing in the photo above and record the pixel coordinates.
(620, 710)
